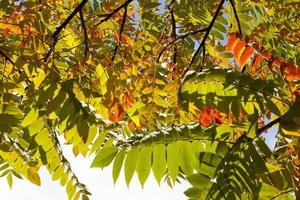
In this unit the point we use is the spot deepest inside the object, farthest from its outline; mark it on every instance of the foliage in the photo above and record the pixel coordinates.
(182, 88)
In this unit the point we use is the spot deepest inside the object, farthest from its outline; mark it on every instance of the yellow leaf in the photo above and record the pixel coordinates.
(103, 77)
(147, 90)
(33, 176)
(39, 78)
(30, 117)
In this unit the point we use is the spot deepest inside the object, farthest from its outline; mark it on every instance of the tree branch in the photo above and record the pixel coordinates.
(120, 34)
(236, 16)
(178, 38)
(86, 45)
(174, 35)
(269, 125)
(6, 57)
(109, 15)
(282, 193)
(62, 26)
(204, 38)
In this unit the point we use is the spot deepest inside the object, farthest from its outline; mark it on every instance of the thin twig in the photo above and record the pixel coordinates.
(236, 16)
(6, 57)
(62, 26)
(269, 125)
(86, 45)
(282, 193)
(109, 15)
(174, 35)
(120, 34)
(178, 38)
(238, 23)
(205, 37)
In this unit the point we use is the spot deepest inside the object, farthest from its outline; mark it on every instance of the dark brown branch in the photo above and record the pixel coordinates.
(6, 57)
(120, 34)
(178, 38)
(282, 193)
(205, 37)
(86, 45)
(62, 26)
(269, 125)
(174, 35)
(236, 16)
(109, 15)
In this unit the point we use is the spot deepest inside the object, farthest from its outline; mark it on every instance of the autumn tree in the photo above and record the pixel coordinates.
(183, 88)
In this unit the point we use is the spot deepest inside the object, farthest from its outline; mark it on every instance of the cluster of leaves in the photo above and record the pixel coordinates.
(153, 85)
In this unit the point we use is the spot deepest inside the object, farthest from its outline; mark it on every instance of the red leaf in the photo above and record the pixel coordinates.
(238, 50)
(211, 115)
(267, 54)
(270, 63)
(205, 117)
(291, 72)
(246, 56)
(257, 60)
(232, 41)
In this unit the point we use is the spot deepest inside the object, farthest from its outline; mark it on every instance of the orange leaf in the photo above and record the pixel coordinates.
(116, 36)
(127, 100)
(131, 12)
(232, 41)
(116, 113)
(131, 125)
(238, 50)
(246, 56)
(291, 72)
(267, 54)
(6, 32)
(257, 60)
(205, 117)
(127, 40)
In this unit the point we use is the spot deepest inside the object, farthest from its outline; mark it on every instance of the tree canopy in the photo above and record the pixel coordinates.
(182, 88)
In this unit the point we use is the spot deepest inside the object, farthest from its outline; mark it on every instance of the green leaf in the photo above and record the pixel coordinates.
(98, 142)
(118, 162)
(36, 126)
(159, 161)
(11, 109)
(9, 180)
(30, 117)
(173, 160)
(199, 180)
(144, 164)
(194, 192)
(130, 164)
(186, 158)
(58, 173)
(252, 127)
(290, 122)
(257, 159)
(104, 157)
(33, 176)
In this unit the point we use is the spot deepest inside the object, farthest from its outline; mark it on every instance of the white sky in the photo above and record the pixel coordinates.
(99, 183)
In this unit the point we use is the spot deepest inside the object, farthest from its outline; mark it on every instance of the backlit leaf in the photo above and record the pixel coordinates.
(33, 176)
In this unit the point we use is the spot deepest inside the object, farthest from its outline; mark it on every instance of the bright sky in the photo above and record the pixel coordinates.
(99, 182)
